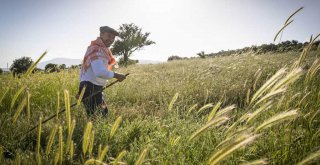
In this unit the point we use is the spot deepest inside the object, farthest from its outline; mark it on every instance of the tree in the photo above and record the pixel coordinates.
(62, 66)
(21, 65)
(132, 39)
(201, 54)
(1, 71)
(51, 68)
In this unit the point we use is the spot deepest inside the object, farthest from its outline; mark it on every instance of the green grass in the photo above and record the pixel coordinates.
(149, 122)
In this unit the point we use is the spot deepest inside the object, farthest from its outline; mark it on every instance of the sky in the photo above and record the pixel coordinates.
(179, 27)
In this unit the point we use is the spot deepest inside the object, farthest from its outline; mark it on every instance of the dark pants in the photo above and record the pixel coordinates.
(95, 102)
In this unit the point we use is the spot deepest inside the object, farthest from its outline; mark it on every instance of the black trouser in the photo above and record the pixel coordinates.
(94, 102)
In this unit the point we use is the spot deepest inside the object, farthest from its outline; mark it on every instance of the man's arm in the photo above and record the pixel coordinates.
(100, 71)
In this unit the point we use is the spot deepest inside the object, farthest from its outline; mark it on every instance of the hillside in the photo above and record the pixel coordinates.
(230, 109)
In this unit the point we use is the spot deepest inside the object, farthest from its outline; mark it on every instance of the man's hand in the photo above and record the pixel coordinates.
(119, 76)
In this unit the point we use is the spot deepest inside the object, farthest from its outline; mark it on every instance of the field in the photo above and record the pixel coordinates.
(250, 109)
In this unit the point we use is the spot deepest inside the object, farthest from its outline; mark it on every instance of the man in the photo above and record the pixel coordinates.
(96, 69)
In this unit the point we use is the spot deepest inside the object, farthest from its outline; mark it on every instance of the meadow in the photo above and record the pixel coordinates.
(238, 109)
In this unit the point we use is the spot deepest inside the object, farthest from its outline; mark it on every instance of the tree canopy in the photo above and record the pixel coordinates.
(21, 65)
(131, 39)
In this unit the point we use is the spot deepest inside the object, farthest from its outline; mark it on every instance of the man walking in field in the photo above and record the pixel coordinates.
(96, 69)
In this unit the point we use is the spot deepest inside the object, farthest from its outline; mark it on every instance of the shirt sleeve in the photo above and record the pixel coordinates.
(100, 70)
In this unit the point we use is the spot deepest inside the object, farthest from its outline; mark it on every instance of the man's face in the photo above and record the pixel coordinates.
(107, 38)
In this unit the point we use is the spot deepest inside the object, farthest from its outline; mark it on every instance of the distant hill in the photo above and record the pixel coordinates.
(60, 61)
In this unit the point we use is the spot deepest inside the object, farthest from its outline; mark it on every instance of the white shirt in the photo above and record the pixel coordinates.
(97, 73)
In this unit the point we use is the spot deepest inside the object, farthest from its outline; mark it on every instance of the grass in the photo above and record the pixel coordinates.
(183, 112)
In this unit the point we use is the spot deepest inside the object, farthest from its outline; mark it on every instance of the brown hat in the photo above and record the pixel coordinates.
(109, 30)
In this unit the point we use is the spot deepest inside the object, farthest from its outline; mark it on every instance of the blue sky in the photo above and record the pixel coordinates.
(179, 27)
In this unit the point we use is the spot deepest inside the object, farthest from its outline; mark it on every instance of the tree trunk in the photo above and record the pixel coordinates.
(125, 58)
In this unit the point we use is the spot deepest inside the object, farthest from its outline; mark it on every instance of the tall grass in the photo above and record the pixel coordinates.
(228, 110)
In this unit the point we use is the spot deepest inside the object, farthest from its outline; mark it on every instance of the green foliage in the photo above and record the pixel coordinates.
(1, 71)
(131, 39)
(62, 66)
(21, 65)
(52, 68)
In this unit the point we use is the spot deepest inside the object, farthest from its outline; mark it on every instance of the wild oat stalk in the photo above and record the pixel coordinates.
(3, 96)
(71, 150)
(313, 157)
(291, 77)
(56, 157)
(215, 122)
(103, 153)
(67, 106)
(51, 139)
(313, 69)
(214, 110)
(115, 126)
(38, 156)
(192, 108)
(174, 99)
(240, 132)
(94, 161)
(258, 111)
(225, 111)
(304, 53)
(69, 139)
(120, 156)
(28, 106)
(86, 138)
(81, 96)
(31, 68)
(60, 145)
(19, 109)
(248, 97)
(276, 119)
(15, 97)
(58, 105)
(141, 157)
(210, 105)
(267, 85)
(91, 143)
(271, 95)
(287, 24)
(288, 19)
(257, 76)
(256, 162)
(227, 150)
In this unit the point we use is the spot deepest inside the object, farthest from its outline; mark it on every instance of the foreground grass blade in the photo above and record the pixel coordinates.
(141, 157)
(3, 96)
(215, 122)
(174, 99)
(94, 161)
(311, 158)
(256, 162)
(86, 138)
(278, 119)
(115, 126)
(19, 109)
(224, 152)
(34, 65)
(15, 97)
